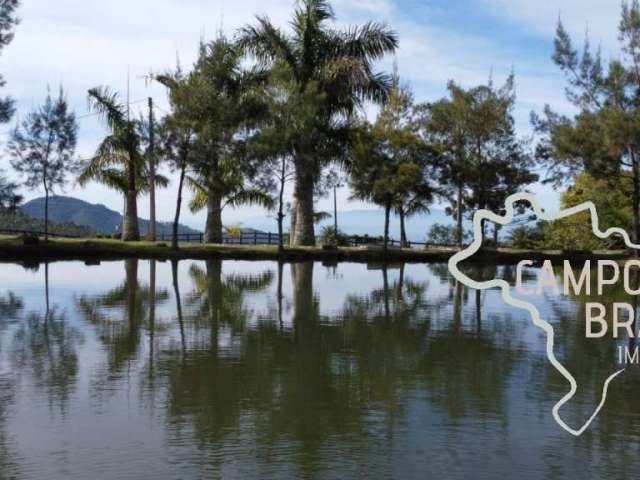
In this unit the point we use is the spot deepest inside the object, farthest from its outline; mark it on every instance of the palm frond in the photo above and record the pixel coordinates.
(105, 102)
(198, 202)
(267, 43)
(251, 196)
(370, 41)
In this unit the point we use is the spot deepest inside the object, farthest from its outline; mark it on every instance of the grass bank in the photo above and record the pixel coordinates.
(12, 248)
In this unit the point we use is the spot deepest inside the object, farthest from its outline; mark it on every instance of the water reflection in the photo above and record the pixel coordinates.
(231, 369)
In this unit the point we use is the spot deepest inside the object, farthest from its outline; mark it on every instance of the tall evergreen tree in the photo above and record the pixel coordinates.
(42, 147)
(603, 139)
(8, 21)
(178, 133)
(391, 163)
(482, 161)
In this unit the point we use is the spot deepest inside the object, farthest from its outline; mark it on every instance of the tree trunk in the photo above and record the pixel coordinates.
(335, 212)
(214, 296)
(46, 212)
(176, 219)
(403, 231)
(152, 313)
(176, 292)
(152, 177)
(457, 306)
(281, 204)
(131, 274)
(635, 200)
(131, 232)
(304, 307)
(385, 287)
(387, 211)
(478, 311)
(46, 289)
(279, 293)
(304, 232)
(459, 233)
(496, 232)
(292, 223)
(124, 214)
(213, 227)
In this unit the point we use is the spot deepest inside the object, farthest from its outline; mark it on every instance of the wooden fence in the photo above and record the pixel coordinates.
(11, 231)
(245, 238)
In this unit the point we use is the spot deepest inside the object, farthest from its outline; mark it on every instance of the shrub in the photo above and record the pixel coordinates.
(526, 236)
(440, 234)
(329, 236)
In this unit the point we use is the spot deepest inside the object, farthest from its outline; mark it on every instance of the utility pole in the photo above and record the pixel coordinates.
(335, 211)
(152, 175)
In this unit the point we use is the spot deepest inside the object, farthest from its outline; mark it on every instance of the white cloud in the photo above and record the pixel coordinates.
(600, 17)
(84, 43)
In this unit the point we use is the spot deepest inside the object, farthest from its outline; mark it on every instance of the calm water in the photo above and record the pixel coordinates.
(142, 369)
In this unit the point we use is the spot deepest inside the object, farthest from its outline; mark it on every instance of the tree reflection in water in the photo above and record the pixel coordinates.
(119, 314)
(322, 378)
(282, 370)
(45, 345)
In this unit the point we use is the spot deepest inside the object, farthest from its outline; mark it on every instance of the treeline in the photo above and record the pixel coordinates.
(275, 105)
(19, 222)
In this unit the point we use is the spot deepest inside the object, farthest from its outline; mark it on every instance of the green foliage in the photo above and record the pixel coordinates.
(42, 146)
(603, 138)
(327, 74)
(9, 198)
(612, 204)
(390, 165)
(118, 161)
(8, 21)
(527, 236)
(482, 160)
(19, 221)
(329, 236)
(440, 234)
(214, 113)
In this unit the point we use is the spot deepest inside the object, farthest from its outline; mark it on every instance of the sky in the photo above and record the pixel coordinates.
(85, 43)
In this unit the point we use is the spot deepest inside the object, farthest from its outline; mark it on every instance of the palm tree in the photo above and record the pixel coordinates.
(330, 68)
(232, 192)
(118, 179)
(120, 147)
(227, 106)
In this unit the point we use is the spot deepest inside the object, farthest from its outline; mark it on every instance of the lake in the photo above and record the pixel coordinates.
(210, 369)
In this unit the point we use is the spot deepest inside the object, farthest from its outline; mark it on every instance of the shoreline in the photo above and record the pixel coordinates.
(12, 248)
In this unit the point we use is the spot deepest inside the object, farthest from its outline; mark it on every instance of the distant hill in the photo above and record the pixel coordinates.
(96, 216)
(22, 222)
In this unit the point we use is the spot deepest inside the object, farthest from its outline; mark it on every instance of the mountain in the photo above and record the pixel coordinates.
(102, 219)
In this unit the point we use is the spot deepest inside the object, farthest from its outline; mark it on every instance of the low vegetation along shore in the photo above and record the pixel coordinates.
(15, 248)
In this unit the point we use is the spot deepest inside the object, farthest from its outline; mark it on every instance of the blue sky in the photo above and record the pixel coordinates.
(84, 43)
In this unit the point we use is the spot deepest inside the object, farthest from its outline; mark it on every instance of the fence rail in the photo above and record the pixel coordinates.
(245, 238)
(11, 231)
